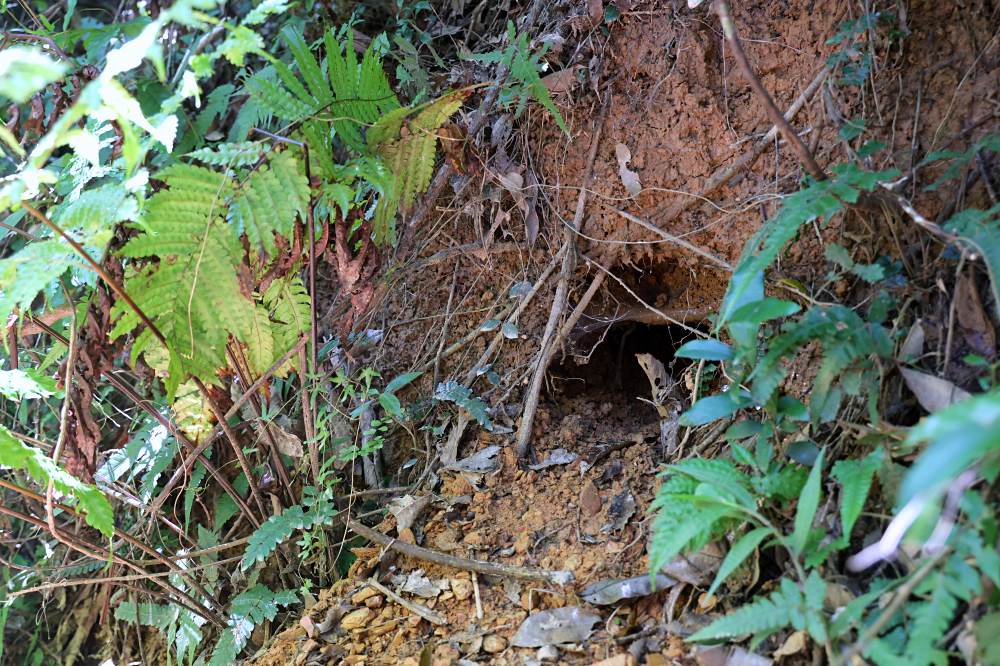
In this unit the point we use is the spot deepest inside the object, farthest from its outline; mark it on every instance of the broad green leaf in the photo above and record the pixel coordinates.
(390, 403)
(757, 312)
(26, 385)
(92, 503)
(806, 509)
(709, 350)
(956, 437)
(401, 380)
(738, 553)
(24, 71)
(714, 407)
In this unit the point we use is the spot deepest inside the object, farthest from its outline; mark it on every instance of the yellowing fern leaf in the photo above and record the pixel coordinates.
(410, 158)
(193, 294)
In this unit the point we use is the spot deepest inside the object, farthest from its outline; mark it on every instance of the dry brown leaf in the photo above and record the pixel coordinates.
(590, 499)
(972, 318)
(561, 82)
(913, 345)
(933, 393)
(630, 179)
(595, 8)
(794, 644)
(407, 509)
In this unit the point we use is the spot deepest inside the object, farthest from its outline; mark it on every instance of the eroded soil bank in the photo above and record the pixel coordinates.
(683, 113)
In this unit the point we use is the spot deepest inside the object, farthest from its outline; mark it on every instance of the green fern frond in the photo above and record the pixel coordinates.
(931, 620)
(763, 616)
(819, 201)
(239, 154)
(270, 200)
(275, 99)
(289, 312)
(193, 294)
(259, 342)
(308, 67)
(275, 531)
(362, 93)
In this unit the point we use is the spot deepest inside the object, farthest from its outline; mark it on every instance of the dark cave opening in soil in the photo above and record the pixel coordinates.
(604, 362)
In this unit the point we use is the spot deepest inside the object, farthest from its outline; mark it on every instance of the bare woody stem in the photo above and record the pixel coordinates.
(773, 112)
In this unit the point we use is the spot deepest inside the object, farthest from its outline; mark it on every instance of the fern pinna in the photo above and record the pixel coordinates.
(345, 103)
(194, 293)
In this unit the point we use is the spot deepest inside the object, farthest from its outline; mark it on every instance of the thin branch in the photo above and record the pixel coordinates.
(479, 566)
(773, 113)
(568, 263)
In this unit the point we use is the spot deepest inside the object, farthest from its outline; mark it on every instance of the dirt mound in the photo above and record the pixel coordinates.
(683, 115)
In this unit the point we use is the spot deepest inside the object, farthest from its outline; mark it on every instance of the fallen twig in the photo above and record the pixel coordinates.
(725, 174)
(415, 608)
(773, 113)
(680, 242)
(479, 566)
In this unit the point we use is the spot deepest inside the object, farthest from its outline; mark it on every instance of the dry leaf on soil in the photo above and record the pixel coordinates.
(557, 457)
(570, 624)
(607, 592)
(630, 179)
(975, 324)
(407, 509)
(562, 82)
(933, 393)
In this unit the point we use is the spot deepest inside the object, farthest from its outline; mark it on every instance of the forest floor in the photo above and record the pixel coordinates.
(655, 93)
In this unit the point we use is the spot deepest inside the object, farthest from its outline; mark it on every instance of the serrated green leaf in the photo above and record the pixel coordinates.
(275, 531)
(24, 71)
(763, 616)
(92, 503)
(452, 391)
(855, 477)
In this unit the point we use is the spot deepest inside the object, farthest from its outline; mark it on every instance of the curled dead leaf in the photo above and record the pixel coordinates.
(630, 179)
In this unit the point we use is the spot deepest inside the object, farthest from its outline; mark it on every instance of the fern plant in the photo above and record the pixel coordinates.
(194, 293)
(355, 100)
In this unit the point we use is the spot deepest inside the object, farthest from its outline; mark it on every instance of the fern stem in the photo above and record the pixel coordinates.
(197, 452)
(97, 553)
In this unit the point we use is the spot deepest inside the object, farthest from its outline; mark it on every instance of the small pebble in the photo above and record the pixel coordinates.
(493, 643)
